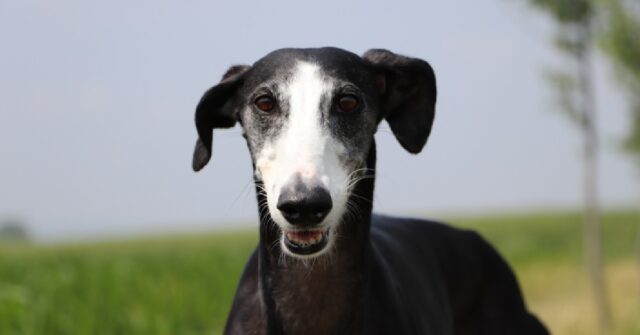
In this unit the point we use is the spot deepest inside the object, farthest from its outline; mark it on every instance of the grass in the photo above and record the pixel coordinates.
(546, 252)
(184, 285)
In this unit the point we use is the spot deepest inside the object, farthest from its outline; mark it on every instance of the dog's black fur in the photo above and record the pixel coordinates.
(385, 275)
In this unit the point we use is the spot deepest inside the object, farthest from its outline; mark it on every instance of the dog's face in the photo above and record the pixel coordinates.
(309, 116)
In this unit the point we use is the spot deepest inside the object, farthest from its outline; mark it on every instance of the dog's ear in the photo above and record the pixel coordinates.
(217, 109)
(407, 88)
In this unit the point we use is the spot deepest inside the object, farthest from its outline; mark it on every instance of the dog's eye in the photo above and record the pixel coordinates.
(348, 103)
(265, 103)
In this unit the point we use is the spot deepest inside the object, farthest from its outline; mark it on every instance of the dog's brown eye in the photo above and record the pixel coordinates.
(265, 103)
(348, 103)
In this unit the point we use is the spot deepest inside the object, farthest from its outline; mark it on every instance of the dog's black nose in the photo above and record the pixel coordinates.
(304, 206)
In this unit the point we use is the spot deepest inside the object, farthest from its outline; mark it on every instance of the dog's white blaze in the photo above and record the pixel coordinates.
(304, 146)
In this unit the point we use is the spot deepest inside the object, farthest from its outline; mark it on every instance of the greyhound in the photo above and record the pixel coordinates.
(324, 263)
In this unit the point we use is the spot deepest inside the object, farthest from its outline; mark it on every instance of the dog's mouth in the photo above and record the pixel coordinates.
(306, 241)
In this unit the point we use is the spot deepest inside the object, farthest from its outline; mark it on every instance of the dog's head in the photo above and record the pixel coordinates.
(309, 116)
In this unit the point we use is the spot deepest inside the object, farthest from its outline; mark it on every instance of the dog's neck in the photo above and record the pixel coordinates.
(324, 295)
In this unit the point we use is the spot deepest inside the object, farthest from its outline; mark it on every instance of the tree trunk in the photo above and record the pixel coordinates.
(592, 225)
(638, 254)
(637, 247)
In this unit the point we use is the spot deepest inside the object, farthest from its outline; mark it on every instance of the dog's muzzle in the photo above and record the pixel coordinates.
(305, 208)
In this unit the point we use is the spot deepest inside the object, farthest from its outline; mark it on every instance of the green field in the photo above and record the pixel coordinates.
(184, 284)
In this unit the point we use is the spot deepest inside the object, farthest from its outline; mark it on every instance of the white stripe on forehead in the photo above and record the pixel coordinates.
(305, 92)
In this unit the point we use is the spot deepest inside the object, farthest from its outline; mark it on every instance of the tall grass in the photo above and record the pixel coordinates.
(184, 285)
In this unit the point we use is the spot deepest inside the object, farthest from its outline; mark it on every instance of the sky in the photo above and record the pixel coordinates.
(97, 102)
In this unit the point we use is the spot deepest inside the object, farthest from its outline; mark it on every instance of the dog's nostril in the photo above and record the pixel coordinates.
(300, 205)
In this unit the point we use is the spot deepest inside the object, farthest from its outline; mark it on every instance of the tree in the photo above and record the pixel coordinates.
(620, 40)
(575, 39)
(13, 230)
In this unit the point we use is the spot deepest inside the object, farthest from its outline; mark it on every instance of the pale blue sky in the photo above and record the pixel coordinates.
(97, 101)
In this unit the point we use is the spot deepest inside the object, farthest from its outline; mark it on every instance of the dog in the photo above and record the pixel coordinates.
(324, 263)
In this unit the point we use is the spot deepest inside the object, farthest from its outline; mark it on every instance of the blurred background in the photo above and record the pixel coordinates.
(105, 229)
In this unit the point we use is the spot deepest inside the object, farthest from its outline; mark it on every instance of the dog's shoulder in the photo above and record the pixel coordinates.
(481, 288)
(457, 255)
(442, 239)
(463, 257)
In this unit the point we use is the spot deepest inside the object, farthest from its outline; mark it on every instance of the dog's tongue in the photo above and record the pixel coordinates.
(305, 236)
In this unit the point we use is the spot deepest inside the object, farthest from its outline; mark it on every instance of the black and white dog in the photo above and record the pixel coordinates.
(325, 264)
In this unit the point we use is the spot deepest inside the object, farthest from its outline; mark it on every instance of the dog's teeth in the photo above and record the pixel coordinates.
(305, 238)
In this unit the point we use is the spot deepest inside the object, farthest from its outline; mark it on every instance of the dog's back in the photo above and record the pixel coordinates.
(469, 287)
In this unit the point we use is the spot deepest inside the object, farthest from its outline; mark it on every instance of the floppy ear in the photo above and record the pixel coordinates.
(407, 88)
(217, 109)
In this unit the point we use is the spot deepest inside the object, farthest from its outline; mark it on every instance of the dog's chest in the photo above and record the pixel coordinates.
(316, 302)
